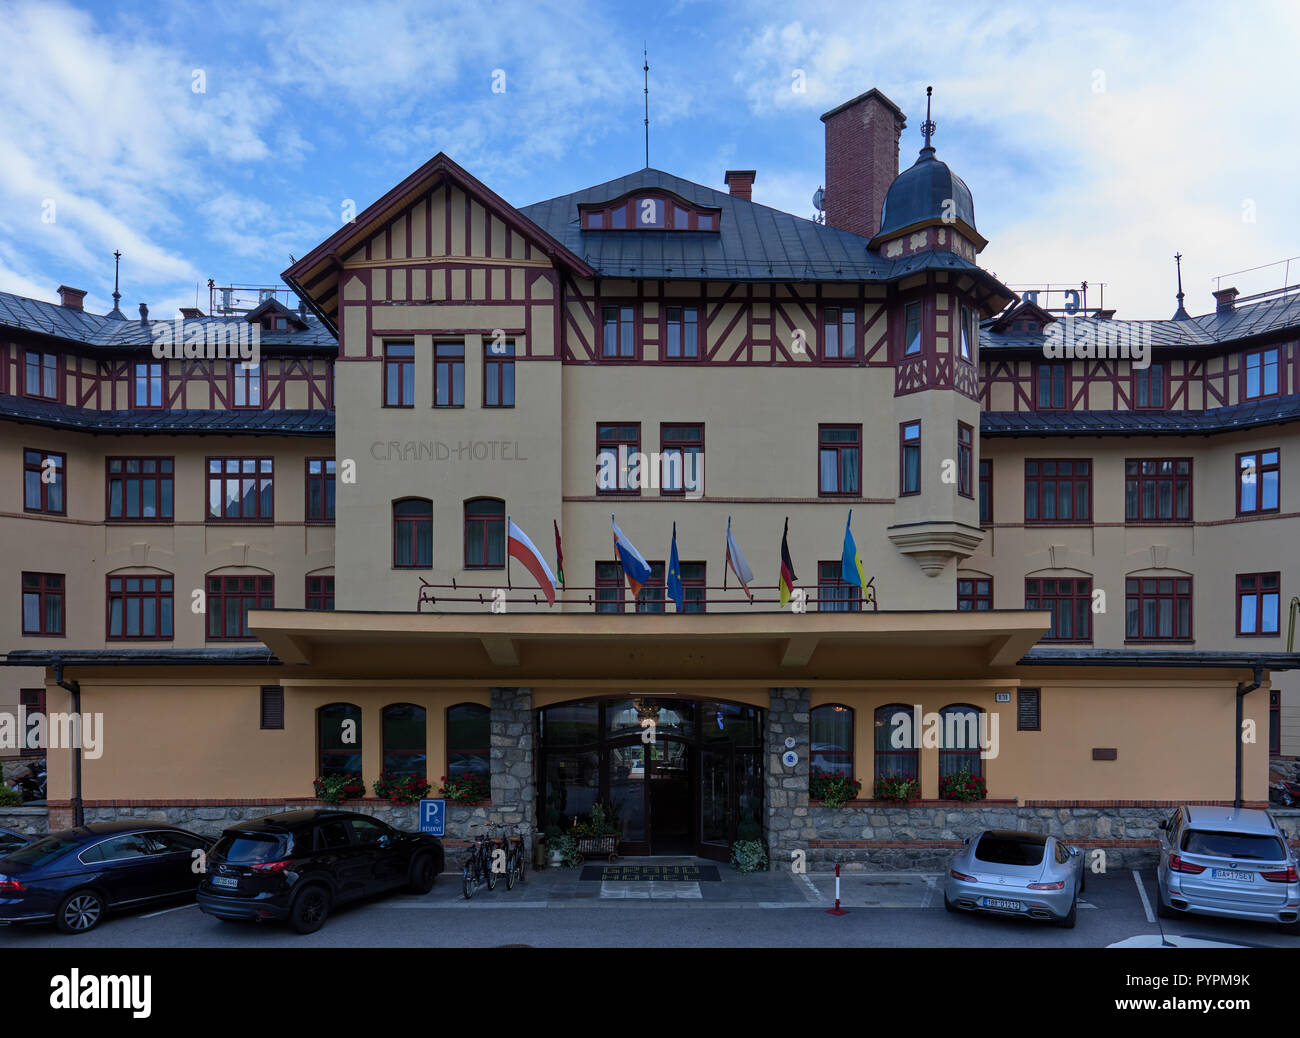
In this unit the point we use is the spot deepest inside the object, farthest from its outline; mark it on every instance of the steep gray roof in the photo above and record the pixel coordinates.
(34, 315)
(189, 420)
(1137, 423)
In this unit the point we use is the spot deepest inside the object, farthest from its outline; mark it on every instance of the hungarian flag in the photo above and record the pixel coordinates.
(736, 560)
(787, 567)
(559, 552)
(521, 548)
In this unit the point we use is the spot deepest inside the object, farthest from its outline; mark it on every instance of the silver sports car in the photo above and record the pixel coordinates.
(1008, 872)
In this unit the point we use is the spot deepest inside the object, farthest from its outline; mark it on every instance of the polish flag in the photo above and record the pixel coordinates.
(521, 548)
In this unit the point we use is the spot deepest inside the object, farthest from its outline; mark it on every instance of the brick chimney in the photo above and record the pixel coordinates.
(741, 183)
(72, 298)
(191, 312)
(861, 160)
(1225, 300)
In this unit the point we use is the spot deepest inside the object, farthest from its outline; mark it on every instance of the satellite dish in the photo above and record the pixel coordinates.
(819, 199)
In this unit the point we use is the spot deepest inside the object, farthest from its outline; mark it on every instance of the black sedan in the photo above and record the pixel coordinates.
(297, 865)
(74, 877)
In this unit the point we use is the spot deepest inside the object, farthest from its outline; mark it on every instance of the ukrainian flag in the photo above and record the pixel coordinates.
(851, 565)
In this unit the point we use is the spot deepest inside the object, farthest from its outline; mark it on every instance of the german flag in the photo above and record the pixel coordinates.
(787, 567)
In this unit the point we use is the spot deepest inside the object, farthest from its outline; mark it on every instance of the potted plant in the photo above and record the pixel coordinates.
(554, 851)
(466, 789)
(334, 789)
(833, 790)
(748, 853)
(962, 785)
(894, 787)
(598, 833)
(401, 789)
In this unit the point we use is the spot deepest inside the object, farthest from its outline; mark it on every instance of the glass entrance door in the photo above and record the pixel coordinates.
(717, 802)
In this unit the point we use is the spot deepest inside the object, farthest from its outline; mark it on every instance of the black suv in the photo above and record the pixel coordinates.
(299, 864)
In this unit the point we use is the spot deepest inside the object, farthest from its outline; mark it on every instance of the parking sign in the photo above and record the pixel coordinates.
(433, 816)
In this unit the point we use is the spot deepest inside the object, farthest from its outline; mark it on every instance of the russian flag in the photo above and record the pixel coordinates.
(635, 567)
(521, 548)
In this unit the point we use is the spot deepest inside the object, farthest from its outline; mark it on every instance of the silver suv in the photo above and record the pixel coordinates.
(1228, 862)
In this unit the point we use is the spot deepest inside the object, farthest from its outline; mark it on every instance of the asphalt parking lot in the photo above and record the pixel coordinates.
(556, 909)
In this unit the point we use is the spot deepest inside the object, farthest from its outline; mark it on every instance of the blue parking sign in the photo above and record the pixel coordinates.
(433, 816)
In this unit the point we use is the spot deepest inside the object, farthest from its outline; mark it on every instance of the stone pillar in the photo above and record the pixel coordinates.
(514, 793)
(789, 827)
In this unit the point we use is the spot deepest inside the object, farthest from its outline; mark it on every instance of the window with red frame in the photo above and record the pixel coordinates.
(965, 456)
(959, 741)
(609, 587)
(499, 374)
(139, 488)
(338, 727)
(831, 739)
(839, 460)
(320, 490)
(1259, 604)
(681, 454)
(140, 607)
(485, 533)
(909, 459)
(969, 333)
(912, 339)
(1158, 609)
(652, 597)
(1149, 387)
(147, 385)
(1051, 383)
(246, 385)
(241, 490)
(320, 593)
(1157, 489)
(1259, 476)
(694, 595)
(399, 374)
(43, 604)
(681, 333)
(617, 472)
(40, 375)
(1069, 600)
(405, 731)
(839, 333)
(1058, 490)
(34, 700)
(834, 593)
(449, 374)
(986, 490)
(469, 752)
(229, 600)
(43, 488)
(1261, 374)
(618, 332)
(413, 533)
(974, 594)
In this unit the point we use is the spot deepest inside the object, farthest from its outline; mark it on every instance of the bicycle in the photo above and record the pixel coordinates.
(516, 855)
(476, 865)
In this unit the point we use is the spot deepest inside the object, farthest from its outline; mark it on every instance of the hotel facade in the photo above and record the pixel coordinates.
(259, 574)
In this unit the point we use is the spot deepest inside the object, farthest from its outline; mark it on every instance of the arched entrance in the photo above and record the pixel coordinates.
(680, 774)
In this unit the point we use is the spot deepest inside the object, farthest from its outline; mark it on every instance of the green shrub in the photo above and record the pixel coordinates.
(749, 856)
(10, 797)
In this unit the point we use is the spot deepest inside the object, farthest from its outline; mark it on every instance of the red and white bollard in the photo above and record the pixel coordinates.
(837, 910)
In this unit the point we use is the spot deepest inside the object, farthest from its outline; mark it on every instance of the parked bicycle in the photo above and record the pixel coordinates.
(516, 857)
(478, 865)
(482, 862)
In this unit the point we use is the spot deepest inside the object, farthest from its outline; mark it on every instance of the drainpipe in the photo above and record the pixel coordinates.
(78, 814)
(1242, 692)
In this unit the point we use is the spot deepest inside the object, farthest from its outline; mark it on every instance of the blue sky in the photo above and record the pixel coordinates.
(1097, 139)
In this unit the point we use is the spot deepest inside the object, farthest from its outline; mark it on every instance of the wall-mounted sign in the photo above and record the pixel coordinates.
(433, 816)
(789, 742)
(789, 758)
(1003, 697)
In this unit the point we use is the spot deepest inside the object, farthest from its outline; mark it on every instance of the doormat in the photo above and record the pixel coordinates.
(652, 873)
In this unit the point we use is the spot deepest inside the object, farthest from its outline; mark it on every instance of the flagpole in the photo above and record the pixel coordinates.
(726, 555)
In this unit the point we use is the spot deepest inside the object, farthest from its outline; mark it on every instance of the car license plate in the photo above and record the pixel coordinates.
(1243, 877)
(999, 902)
(224, 881)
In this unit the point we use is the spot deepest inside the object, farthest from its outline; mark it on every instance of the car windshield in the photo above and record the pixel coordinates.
(1007, 850)
(42, 852)
(248, 848)
(1241, 846)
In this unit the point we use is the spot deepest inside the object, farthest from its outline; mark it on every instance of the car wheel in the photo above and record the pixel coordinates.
(1290, 929)
(424, 870)
(949, 905)
(310, 909)
(1068, 922)
(80, 912)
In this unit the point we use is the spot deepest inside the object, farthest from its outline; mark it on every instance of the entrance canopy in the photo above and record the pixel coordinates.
(773, 647)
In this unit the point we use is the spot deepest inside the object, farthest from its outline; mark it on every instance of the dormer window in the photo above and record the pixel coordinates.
(649, 211)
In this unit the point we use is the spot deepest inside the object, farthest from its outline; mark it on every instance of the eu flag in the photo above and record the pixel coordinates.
(675, 574)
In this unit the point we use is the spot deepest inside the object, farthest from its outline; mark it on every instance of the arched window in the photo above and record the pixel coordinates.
(404, 740)
(959, 740)
(339, 739)
(896, 742)
(413, 533)
(469, 742)
(831, 752)
(485, 533)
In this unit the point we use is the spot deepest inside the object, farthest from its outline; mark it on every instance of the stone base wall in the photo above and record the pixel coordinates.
(31, 821)
(789, 826)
